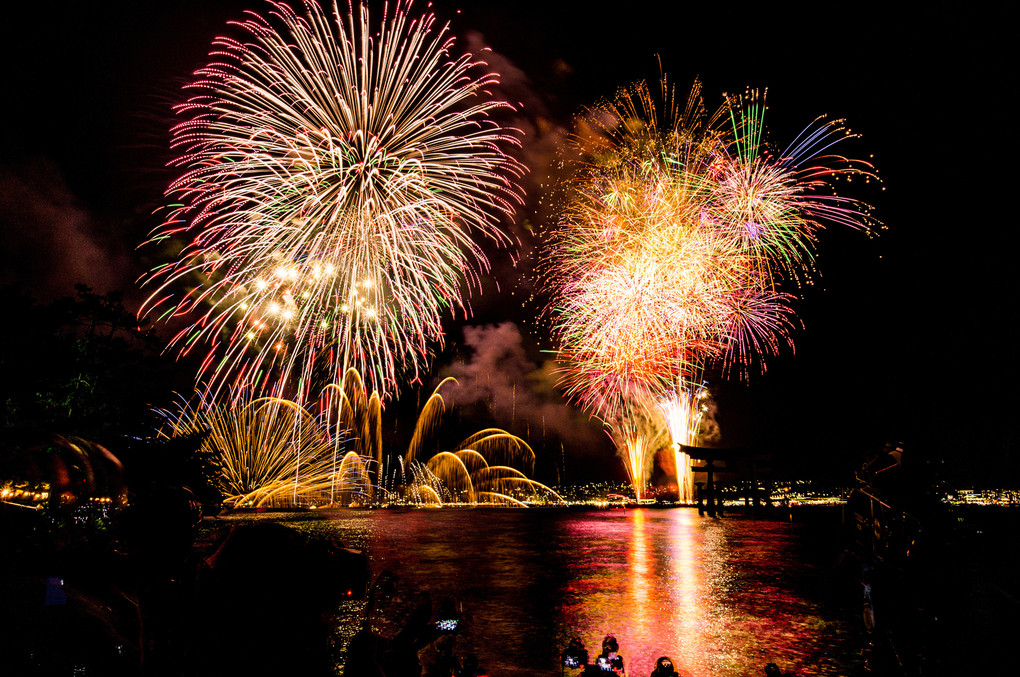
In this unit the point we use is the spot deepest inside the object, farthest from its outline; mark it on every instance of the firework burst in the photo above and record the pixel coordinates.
(272, 451)
(491, 466)
(683, 410)
(337, 178)
(674, 250)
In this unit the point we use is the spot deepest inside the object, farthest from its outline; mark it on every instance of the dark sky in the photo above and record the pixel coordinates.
(909, 336)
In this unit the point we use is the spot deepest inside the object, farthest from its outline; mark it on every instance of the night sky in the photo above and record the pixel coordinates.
(909, 336)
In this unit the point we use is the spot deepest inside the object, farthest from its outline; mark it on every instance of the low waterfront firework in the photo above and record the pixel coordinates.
(683, 410)
(683, 242)
(338, 178)
(491, 466)
(273, 452)
(639, 432)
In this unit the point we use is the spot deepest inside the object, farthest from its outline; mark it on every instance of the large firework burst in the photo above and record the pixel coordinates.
(677, 248)
(671, 253)
(336, 177)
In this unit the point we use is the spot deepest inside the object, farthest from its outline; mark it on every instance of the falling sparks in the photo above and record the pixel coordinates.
(337, 176)
(670, 256)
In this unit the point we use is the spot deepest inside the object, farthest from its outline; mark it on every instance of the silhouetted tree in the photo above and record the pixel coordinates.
(80, 365)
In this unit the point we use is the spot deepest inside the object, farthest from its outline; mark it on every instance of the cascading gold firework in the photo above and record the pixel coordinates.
(337, 178)
(273, 452)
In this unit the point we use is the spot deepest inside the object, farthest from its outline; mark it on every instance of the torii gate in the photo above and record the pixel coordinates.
(717, 460)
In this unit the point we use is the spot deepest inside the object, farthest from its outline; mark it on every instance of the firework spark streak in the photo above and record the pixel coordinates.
(638, 432)
(683, 413)
(670, 255)
(490, 466)
(273, 452)
(466, 474)
(278, 452)
(335, 183)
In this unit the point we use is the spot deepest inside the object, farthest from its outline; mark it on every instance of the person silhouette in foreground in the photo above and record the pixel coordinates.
(609, 661)
(664, 668)
(395, 629)
(575, 655)
(445, 663)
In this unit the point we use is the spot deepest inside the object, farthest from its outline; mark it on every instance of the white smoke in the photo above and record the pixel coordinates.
(520, 395)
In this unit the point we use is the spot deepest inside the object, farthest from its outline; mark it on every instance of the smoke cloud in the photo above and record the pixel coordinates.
(50, 239)
(542, 135)
(519, 395)
(709, 432)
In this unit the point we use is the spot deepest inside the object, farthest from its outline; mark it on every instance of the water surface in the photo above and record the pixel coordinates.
(721, 597)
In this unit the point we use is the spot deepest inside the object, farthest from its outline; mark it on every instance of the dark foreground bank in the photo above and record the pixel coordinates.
(170, 594)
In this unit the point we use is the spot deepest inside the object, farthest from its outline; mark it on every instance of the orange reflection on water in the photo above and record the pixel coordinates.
(689, 589)
(639, 560)
(669, 593)
(719, 597)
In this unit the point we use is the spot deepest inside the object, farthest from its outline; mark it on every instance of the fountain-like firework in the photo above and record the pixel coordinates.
(671, 250)
(683, 411)
(280, 453)
(273, 452)
(335, 175)
(491, 466)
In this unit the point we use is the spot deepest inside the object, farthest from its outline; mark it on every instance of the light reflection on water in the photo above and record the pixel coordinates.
(720, 597)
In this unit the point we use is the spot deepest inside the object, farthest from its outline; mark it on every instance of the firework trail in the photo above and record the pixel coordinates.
(683, 410)
(337, 177)
(638, 432)
(674, 249)
(491, 466)
(272, 451)
(278, 452)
